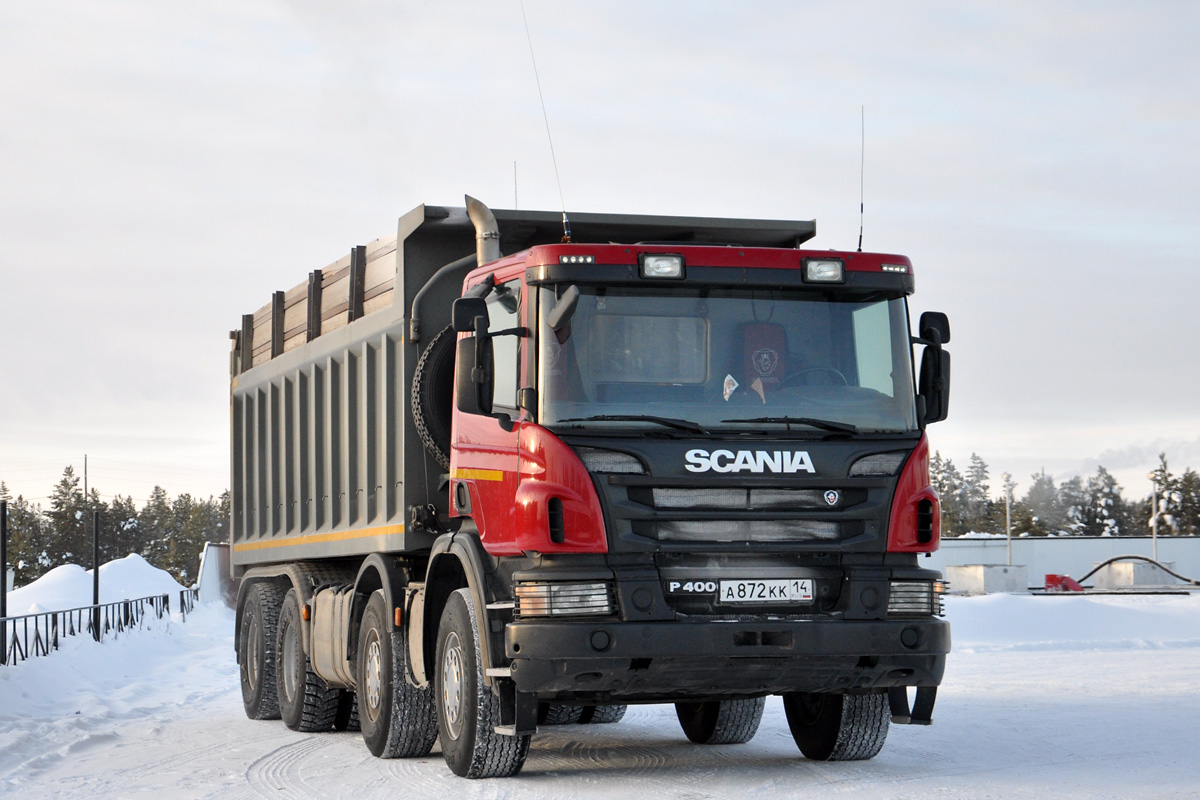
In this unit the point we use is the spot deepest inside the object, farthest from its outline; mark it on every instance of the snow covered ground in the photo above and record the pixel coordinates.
(1078, 697)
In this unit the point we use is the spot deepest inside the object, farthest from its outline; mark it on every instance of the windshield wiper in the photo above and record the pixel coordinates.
(823, 424)
(678, 424)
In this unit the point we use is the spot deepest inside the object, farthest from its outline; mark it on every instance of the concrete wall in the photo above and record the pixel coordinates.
(1074, 556)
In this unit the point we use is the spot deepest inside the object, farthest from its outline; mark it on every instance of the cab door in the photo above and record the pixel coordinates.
(483, 455)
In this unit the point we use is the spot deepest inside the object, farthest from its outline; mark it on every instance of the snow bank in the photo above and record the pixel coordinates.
(70, 586)
(1073, 622)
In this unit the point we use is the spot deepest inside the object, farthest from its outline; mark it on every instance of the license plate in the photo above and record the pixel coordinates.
(791, 590)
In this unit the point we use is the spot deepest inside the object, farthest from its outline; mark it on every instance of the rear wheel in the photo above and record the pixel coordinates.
(347, 712)
(306, 703)
(397, 719)
(838, 727)
(721, 721)
(467, 709)
(602, 714)
(256, 646)
(558, 714)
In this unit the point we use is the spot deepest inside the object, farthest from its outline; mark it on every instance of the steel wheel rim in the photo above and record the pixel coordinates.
(452, 685)
(291, 671)
(374, 677)
(253, 658)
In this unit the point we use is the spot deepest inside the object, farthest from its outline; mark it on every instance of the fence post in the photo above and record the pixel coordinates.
(96, 574)
(4, 581)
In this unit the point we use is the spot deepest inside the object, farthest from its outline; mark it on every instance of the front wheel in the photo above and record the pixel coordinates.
(721, 721)
(602, 714)
(838, 727)
(396, 718)
(468, 710)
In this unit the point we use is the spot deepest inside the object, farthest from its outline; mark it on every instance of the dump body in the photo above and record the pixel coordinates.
(325, 457)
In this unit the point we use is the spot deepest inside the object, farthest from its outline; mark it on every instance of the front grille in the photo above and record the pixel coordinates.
(739, 530)
(745, 499)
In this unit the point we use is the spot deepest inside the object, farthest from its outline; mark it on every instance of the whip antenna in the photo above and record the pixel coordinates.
(862, 161)
(546, 118)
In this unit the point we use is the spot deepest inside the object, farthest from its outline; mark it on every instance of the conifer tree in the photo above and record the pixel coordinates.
(69, 541)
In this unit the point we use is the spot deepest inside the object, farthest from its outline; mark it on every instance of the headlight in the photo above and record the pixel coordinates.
(824, 270)
(916, 599)
(563, 599)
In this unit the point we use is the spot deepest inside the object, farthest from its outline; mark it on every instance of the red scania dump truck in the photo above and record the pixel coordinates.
(485, 479)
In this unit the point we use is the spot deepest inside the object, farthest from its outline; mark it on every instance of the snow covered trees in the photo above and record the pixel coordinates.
(170, 533)
(1091, 506)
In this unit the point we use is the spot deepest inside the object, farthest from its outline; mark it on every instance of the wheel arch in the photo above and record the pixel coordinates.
(377, 572)
(457, 561)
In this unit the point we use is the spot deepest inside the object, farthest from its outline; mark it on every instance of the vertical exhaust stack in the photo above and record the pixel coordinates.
(487, 233)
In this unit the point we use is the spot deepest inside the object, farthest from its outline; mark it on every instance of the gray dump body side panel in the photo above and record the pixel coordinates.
(325, 457)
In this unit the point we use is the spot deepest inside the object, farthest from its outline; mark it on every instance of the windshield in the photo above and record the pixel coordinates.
(729, 360)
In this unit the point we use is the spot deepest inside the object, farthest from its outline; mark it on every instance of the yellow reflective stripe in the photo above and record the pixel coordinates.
(319, 538)
(479, 474)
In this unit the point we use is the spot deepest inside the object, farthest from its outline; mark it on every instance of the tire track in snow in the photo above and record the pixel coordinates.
(278, 773)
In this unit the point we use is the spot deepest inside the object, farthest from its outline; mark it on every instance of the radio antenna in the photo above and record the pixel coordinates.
(546, 119)
(862, 162)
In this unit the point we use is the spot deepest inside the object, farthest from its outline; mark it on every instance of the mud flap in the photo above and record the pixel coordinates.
(922, 710)
(518, 711)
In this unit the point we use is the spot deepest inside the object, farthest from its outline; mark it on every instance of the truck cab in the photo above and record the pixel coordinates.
(702, 472)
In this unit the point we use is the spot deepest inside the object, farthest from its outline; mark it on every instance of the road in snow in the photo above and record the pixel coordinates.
(1043, 697)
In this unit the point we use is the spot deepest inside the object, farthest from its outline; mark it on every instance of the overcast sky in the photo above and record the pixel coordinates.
(165, 166)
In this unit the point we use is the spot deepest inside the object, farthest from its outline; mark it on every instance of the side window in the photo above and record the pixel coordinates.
(504, 306)
(873, 347)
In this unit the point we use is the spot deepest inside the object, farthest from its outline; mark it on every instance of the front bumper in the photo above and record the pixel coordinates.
(611, 661)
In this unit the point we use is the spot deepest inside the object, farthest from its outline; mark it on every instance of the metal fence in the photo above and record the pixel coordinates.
(38, 634)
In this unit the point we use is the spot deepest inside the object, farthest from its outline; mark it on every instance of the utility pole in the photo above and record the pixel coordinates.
(1008, 514)
(1153, 515)
(96, 574)
(4, 581)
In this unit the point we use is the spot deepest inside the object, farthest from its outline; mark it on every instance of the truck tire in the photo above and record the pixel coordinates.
(468, 710)
(433, 394)
(602, 715)
(256, 648)
(838, 727)
(558, 714)
(347, 712)
(397, 719)
(721, 721)
(306, 703)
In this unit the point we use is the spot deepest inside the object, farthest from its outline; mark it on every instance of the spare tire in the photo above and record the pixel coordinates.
(433, 395)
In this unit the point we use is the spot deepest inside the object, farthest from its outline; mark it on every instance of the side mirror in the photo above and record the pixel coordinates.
(559, 318)
(474, 375)
(934, 321)
(935, 383)
(465, 310)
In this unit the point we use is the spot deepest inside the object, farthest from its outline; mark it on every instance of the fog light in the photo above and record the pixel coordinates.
(661, 266)
(563, 599)
(824, 270)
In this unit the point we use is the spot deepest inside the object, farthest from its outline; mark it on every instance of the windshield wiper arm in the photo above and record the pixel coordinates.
(669, 422)
(823, 424)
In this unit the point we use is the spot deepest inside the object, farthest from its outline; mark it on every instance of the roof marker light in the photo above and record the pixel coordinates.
(577, 259)
(894, 268)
